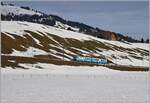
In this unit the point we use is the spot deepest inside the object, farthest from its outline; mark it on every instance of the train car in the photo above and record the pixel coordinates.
(90, 59)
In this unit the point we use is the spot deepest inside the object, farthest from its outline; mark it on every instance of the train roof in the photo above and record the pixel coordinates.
(101, 56)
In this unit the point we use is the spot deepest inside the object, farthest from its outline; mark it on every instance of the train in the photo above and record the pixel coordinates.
(87, 59)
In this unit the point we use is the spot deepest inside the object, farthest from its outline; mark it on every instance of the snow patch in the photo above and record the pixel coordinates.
(31, 51)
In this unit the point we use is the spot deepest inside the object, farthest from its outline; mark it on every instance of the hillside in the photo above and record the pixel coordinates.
(11, 12)
(25, 42)
(16, 10)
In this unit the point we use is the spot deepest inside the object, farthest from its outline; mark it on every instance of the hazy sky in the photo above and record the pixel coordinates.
(122, 17)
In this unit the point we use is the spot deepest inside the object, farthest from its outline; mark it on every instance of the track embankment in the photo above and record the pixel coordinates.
(13, 61)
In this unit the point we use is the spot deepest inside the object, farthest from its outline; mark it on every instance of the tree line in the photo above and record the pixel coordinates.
(144, 41)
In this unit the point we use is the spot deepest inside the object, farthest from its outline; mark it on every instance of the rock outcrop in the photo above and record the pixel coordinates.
(109, 35)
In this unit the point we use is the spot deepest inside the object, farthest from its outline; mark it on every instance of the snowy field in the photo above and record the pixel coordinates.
(74, 85)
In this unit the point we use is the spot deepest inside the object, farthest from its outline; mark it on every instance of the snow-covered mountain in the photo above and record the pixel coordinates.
(46, 43)
(11, 12)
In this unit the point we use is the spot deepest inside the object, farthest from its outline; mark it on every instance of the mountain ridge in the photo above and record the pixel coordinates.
(53, 20)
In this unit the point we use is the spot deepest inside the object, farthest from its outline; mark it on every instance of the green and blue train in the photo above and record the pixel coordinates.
(90, 59)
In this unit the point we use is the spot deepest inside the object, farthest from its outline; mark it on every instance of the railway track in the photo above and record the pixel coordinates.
(13, 61)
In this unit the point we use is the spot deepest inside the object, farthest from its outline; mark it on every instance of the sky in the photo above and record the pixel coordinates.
(128, 18)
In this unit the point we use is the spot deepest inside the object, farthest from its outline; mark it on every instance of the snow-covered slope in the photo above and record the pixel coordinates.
(65, 26)
(16, 10)
(6, 9)
(18, 28)
(31, 40)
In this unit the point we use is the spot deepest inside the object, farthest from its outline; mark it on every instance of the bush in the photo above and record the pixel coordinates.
(27, 8)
